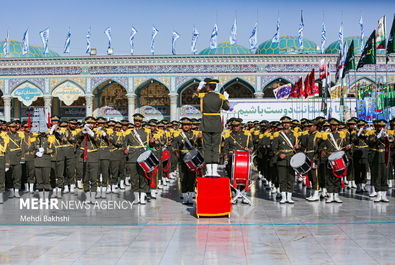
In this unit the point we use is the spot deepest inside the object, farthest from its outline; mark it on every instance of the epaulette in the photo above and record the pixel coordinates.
(109, 131)
(127, 132)
(343, 134)
(176, 133)
(75, 132)
(275, 134)
(147, 130)
(246, 132)
(5, 137)
(324, 135)
(32, 139)
(370, 132)
(63, 130)
(51, 139)
(221, 96)
(21, 135)
(226, 135)
(196, 133)
(390, 132)
(119, 133)
(305, 132)
(201, 95)
(257, 132)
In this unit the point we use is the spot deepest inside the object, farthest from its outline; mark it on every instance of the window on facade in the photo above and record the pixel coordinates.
(187, 95)
(154, 94)
(239, 90)
(111, 94)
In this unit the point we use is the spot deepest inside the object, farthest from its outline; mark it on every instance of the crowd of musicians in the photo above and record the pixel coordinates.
(98, 156)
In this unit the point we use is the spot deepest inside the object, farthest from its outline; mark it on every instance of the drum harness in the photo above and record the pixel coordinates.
(152, 175)
(335, 144)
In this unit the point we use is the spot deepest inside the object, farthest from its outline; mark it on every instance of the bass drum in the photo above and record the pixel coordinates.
(241, 168)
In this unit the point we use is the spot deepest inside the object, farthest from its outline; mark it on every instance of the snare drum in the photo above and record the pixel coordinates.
(148, 161)
(194, 160)
(300, 163)
(338, 161)
(241, 166)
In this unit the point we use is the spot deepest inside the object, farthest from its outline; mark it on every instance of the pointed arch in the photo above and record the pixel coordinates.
(26, 82)
(185, 92)
(238, 88)
(153, 93)
(66, 81)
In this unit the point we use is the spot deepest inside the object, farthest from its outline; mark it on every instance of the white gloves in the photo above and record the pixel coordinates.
(6, 169)
(22, 162)
(201, 85)
(226, 95)
(53, 128)
(39, 154)
(88, 130)
(41, 150)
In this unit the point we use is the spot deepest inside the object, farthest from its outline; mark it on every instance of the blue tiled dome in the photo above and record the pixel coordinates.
(15, 50)
(287, 44)
(226, 48)
(333, 48)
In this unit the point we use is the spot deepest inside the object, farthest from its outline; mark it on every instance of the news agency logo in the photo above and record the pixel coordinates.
(55, 204)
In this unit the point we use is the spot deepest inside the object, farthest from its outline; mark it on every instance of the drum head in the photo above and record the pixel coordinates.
(144, 156)
(336, 155)
(297, 160)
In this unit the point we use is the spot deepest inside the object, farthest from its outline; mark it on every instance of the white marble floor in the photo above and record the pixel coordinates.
(164, 231)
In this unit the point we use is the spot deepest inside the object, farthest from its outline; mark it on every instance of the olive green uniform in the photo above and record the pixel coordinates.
(211, 104)
(42, 165)
(379, 169)
(13, 159)
(310, 144)
(116, 139)
(91, 165)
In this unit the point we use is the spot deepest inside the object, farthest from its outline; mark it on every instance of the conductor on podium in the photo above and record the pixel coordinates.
(211, 126)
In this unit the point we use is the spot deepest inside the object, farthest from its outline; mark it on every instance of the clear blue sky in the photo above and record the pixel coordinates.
(181, 15)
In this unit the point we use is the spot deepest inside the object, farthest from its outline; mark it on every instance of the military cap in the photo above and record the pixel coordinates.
(117, 124)
(285, 119)
(112, 123)
(55, 118)
(237, 122)
(90, 119)
(73, 121)
(381, 122)
(361, 122)
(124, 122)
(25, 125)
(63, 124)
(351, 121)
(101, 120)
(131, 125)
(185, 121)
(17, 121)
(138, 117)
(211, 81)
(333, 121)
(12, 124)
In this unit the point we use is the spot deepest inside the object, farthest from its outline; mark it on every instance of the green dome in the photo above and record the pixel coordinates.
(15, 50)
(333, 48)
(287, 44)
(226, 48)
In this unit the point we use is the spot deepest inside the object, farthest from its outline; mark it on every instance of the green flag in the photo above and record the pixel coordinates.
(391, 43)
(350, 60)
(368, 55)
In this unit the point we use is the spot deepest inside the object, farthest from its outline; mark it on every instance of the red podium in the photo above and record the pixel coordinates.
(213, 197)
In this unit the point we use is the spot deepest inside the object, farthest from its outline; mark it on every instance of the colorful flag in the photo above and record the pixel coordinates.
(314, 89)
(25, 41)
(213, 37)
(88, 42)
(44, 35)
(67, 42)
(153, 35)
(362, 34)
(276, 37)
(233, 33)
(323, 69)
(108, 34)
(195, 36)
(5, 45)
(341, 39)
(391, 43)
(253, 40)
(323, 37)
(380, 34)
(368, 55)
(174, 38)
(307, 86)
(133, 32)
(283, 91)
(294, 91)
(349, 64)
(300, 31)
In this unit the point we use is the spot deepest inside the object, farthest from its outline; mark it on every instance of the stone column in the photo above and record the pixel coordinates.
(7, 107)
(258, 95)
(89, 104)
(131, 105)
(47, 105)
(173, 106)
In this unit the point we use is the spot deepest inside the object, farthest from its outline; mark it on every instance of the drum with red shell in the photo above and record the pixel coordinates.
(338, 162)
(241, 167)
(148, 161)
(194, 160)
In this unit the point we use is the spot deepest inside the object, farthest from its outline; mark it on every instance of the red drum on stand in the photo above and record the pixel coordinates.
(241, 167)
(166, 161)
(338, 162)
(148, 161)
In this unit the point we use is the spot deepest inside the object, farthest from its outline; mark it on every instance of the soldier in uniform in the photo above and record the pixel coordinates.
(89, 144)
(377, 141)
(29, 158)
(285, 144)
(116, 138)
(333, 141)
(310, 144)
(360, 156)
(104, 157)
(135, 144)
(3, 148)
(14, 159)
(211, 104)
(42, 163)
(236, 140)
(183, 142)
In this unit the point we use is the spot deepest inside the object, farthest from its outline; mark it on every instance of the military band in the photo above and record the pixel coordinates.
(105, 156)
